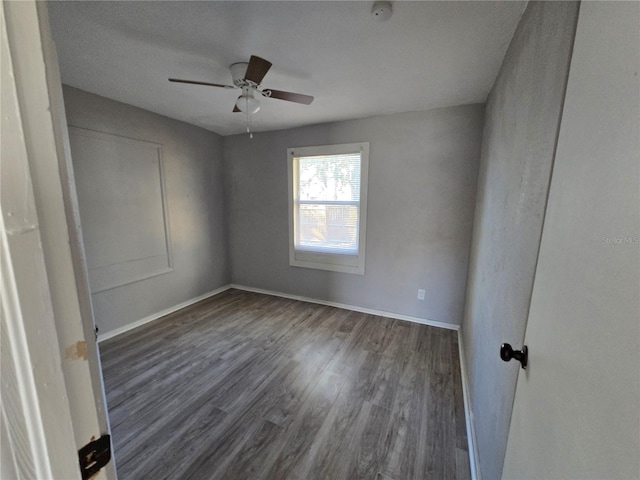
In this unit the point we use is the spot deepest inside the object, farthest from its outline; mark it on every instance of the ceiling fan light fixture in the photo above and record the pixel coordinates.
(247, 103)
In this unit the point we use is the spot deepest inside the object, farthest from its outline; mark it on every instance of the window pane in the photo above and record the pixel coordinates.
(329, 177)
(328, 227)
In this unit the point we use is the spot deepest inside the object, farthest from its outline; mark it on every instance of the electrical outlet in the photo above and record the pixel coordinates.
(420, 294)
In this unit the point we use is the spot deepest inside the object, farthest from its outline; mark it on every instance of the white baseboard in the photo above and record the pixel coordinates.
(474, 460)
(372, 311)
(155, 316)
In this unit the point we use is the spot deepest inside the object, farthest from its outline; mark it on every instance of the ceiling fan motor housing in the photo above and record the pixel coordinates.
(238, 71)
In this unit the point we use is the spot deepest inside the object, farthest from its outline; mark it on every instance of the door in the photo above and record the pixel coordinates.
(54, 393)
(576, 413)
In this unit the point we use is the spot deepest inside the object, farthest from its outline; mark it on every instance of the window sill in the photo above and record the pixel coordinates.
(327, 261)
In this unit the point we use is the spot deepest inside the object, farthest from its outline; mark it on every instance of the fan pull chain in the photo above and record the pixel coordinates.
(249, 123)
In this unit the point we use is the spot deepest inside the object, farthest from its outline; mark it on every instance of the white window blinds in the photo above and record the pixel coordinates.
(327, 202)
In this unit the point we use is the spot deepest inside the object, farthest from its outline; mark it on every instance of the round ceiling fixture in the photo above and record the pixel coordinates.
(381, 11)
(247, 103)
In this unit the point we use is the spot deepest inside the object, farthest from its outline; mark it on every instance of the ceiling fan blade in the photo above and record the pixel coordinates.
(257, 69)
(289, 96)
(236, 109)
(177, 80)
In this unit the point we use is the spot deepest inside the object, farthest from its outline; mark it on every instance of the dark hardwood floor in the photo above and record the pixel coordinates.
(250, 386)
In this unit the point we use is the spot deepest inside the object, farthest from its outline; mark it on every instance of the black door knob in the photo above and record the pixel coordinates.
(507, 353)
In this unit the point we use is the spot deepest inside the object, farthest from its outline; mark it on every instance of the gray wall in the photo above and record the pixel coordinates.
(422, 183)
(521, 123)
(197, 213)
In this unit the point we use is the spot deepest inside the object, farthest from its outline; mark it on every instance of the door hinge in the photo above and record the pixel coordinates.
(94, 455)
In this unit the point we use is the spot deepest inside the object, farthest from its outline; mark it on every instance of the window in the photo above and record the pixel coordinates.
(328, 206)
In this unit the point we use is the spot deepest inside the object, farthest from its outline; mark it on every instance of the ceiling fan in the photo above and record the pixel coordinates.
(248, 77)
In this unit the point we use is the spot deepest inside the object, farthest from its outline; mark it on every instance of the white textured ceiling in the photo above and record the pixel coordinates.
(428, 55)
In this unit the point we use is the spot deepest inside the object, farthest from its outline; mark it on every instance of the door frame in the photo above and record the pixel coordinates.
(52, 390)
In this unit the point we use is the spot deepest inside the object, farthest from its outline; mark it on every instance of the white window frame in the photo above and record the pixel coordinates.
(335, 262)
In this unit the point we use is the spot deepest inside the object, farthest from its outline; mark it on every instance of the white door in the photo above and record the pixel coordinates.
(576, 413)
(52, 393)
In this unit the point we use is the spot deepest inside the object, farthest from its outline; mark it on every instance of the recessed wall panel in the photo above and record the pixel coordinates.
(121, 196)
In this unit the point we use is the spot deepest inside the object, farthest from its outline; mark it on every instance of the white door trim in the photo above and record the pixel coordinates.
(51, 401)
(34, 397)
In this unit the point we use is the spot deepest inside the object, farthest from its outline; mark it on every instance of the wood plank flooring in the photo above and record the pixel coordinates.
(250, 386)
